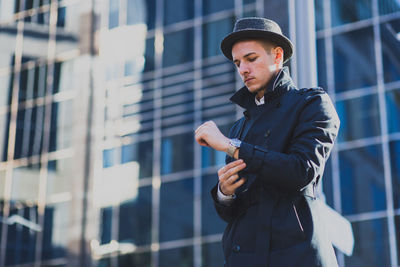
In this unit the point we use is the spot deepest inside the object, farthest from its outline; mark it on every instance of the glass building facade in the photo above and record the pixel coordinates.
(98, 103)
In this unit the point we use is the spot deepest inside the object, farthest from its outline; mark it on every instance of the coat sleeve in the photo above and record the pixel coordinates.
(309, 148)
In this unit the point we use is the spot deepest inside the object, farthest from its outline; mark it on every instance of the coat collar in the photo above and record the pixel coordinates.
(275, 87)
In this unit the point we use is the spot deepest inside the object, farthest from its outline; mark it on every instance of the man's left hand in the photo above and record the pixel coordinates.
(209, 135)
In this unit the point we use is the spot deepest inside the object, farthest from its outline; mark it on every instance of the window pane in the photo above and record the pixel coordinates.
(109, 157)
(62, 123)
(393, 110)
(344, 11)
(178, 47)
(178, 10)
(136, 259)
(388, 6)
(354, 60)
(151, 13)
(59, 180)
(212, 255)
(211, 6)
(371, 246)
(5, 83)
(359, 118)
(135, 218)
(362, 188)
(397, 231)
(25, 185)
(176, 210)
(113, 14)
(319, 14)
(105, 225)
(327, 183)
(321, 64)
(55, 231)
(213, 33)
(141, 153)
(211, 222)
(182, 257)
(149, 55)
(395, 165)
(177, 153)
(391, 50)
(135, 12)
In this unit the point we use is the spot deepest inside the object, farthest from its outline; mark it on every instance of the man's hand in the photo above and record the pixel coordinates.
(209, 135)
(228, 177)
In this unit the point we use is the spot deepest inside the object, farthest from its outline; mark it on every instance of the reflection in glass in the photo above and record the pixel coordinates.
(395, 166)
(149, 55)
(212, 255)
(393, 110)
(135, 218)
(176, 210)
(211, 222)
(105, 225)
(359, 118)
(319, 11)
(113, 14)
(151, 13)
(362, 189)
(212, 6)
(354, 60)
(4, 88)
(178, 47)
(55, 233)
(59, 179)
(62, 115)
(350, 11)
(371, 244)
(391, 50)
(135, 11)
(213, 33)
(388, 6)
(182, 257)
(397, 231)
(178, 10)
(109, 157)
(177, 153)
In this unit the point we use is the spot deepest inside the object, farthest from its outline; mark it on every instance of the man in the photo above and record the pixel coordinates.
(276, 156)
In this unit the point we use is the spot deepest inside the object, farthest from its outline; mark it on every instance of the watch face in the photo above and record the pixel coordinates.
(236, 142)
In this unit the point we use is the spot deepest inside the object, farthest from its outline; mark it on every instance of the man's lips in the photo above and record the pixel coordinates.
(248, 79)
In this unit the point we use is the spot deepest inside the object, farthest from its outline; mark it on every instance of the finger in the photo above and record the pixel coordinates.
(232, 164)
(229, 189)
(235, 170)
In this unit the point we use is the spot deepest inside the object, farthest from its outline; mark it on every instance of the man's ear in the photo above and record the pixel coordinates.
(278, 55)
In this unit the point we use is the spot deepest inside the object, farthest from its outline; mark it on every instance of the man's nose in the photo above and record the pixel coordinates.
(244, 69)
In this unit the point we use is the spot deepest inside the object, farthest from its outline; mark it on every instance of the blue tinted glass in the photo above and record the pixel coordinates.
(362, 188)
(213, 33)
(182, 257)
(55, 231)
(321, 64)
(176, 210)
(135, 218)
(327, 183)
(178, 47)
(149, 55)
(395, 166)
(113, 14)
(142, 153)
(344, 11)
(393, 110)
(359, 117)
(391, 50)
(212, 255)
(211, 157)
(105, 226)
(319, 14)
(135, 12)
(211, 6)
(397, 231)
(388, 6)
(371, 245)
(354, 60)
(178, 10)
(177, 153)
(108, 158)
(248, 1)
(211, 222)
(135, 259)
(21, 241)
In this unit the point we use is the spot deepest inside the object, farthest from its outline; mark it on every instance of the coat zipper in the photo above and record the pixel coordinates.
(298, 219)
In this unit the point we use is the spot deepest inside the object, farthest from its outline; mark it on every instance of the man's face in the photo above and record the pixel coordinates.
(255, 65)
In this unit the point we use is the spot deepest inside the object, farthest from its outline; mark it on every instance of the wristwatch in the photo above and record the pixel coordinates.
(233, 145)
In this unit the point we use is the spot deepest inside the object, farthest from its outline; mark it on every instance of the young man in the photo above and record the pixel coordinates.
(276, 156)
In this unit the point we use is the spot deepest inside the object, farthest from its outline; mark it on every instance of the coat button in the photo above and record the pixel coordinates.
(267, 133)
(236, 248)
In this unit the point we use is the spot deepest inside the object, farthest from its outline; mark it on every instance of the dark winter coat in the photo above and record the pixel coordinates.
(275, 219)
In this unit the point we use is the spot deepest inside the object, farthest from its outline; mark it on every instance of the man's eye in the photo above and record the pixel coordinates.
(252, 59)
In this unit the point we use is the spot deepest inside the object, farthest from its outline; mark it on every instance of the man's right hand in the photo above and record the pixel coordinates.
(228, 177)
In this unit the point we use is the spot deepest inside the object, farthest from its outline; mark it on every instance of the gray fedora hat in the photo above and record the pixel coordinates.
(257, 28)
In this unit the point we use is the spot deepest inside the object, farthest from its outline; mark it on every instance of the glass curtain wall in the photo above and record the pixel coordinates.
(359, 63)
